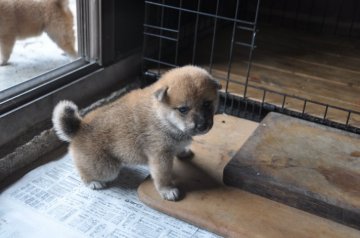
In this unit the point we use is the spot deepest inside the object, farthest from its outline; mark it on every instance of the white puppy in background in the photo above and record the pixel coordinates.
(21, 19)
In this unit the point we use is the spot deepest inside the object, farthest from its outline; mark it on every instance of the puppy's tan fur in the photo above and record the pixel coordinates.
(26, 18)
(146, 126)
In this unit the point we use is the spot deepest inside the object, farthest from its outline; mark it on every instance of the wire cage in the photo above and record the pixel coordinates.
(269, 73)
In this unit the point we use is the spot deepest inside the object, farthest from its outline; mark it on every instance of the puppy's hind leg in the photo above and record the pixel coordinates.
(62, 33)
(96, 185)
(65, 42)
(6, 47)
(96, 169)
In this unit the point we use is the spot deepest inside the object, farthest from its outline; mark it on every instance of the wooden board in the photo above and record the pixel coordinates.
(302, 164)
(227, 211)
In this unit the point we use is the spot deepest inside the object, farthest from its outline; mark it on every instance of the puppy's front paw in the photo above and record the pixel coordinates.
(170, 193)
(96, 185)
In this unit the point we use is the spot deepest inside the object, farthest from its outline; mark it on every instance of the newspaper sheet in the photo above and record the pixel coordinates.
(51, 201)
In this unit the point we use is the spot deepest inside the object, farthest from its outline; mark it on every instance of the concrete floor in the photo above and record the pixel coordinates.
(32, 57)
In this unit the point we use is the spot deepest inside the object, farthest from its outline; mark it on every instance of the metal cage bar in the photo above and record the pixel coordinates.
(185, 34)
(213, 36)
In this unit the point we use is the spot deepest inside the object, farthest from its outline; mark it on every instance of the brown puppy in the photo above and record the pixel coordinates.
(25, 18)
(147, 126)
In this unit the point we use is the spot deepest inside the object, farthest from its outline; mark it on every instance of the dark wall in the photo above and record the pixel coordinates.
(129, 19)
(121, 29)
(339, 17)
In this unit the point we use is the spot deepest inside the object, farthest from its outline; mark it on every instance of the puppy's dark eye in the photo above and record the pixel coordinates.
(207, 104)
(183, 110)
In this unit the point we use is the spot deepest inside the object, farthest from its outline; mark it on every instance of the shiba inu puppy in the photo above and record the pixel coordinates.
(147, 126)
(20, 19)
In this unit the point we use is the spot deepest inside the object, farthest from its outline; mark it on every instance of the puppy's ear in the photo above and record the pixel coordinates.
(216, 83)
(160, 94)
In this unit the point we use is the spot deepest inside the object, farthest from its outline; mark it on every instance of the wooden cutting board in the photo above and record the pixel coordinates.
(302, 164)
(228, 211)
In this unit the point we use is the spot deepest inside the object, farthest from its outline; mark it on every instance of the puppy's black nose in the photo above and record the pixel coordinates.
(202, 126)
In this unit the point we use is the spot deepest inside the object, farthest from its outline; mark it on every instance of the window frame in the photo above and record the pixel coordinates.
(25, 109)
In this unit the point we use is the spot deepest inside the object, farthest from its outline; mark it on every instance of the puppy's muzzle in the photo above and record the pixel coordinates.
(202, 126)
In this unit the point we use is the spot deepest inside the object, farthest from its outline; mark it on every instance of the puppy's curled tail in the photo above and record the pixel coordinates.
(66, 120)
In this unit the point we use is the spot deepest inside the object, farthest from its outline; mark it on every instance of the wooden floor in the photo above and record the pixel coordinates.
(228, 211)
(314, 67)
